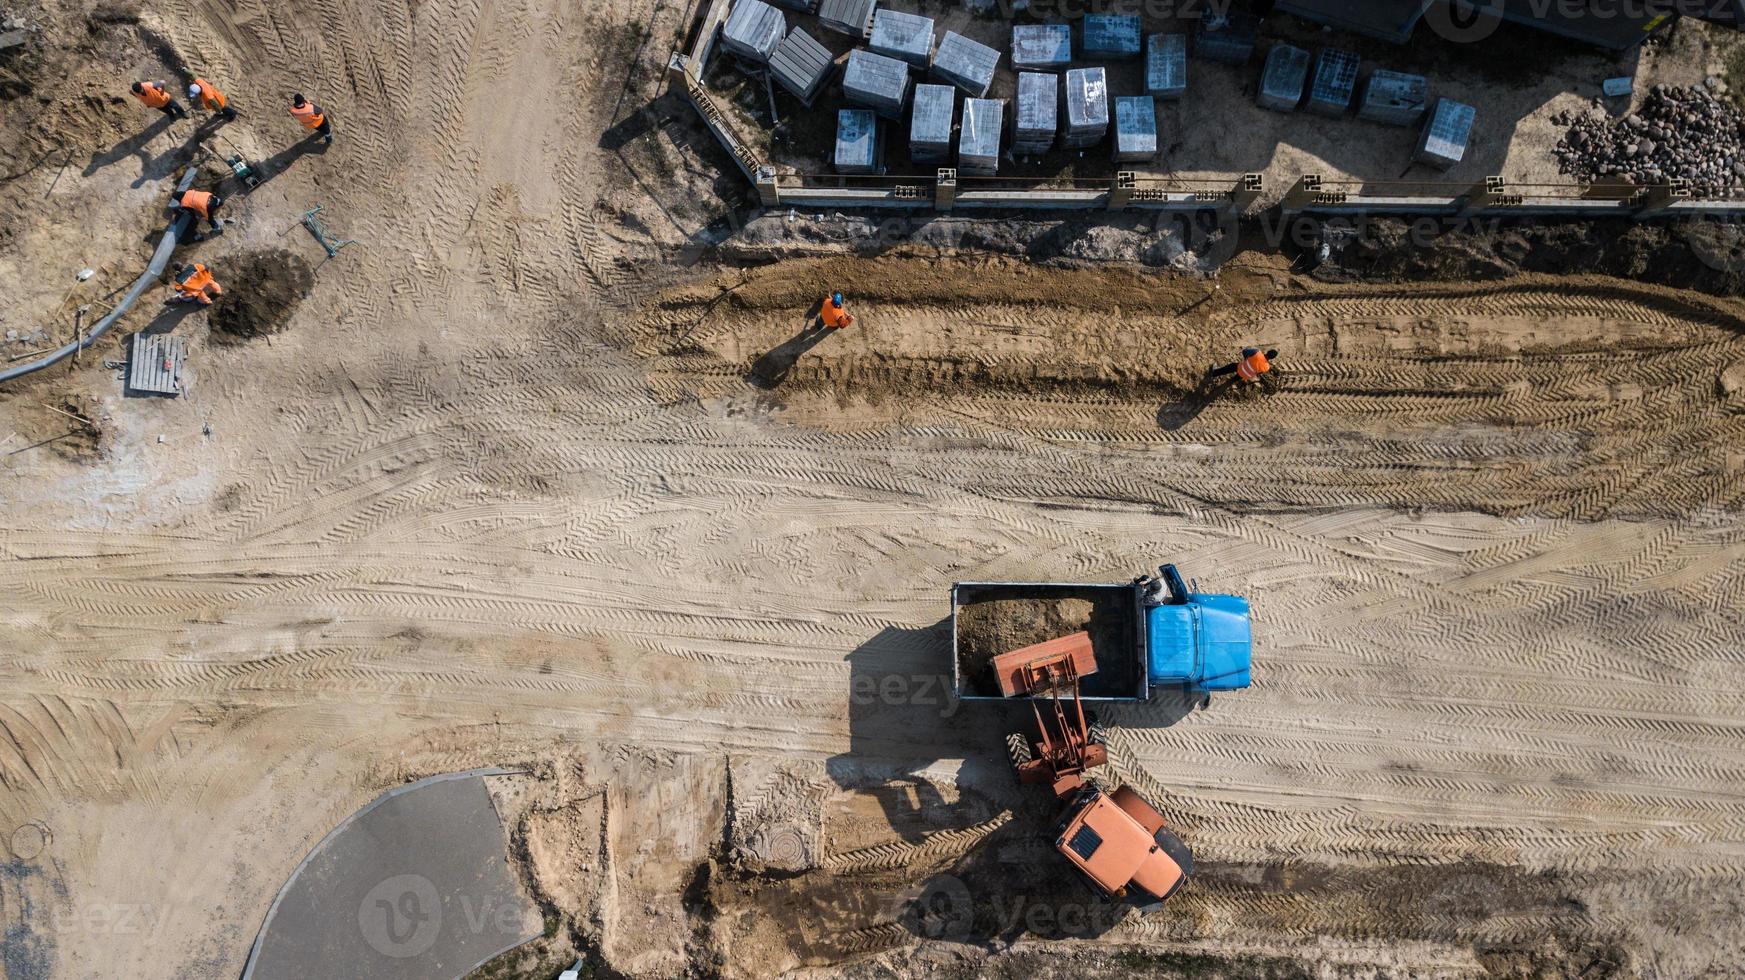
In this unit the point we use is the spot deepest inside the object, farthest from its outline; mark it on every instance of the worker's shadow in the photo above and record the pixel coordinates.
(130, 146)
(1177, 414)
(904, 718)
(281, 161)
(773, 366)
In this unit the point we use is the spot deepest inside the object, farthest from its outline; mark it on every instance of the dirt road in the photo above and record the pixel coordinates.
(508, 491)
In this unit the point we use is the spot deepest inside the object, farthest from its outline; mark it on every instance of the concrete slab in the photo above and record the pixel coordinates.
(415, 886)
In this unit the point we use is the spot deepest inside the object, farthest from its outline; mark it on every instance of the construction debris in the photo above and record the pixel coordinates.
(1678, 133)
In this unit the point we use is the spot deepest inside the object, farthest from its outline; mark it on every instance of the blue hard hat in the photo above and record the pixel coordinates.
(836, 298)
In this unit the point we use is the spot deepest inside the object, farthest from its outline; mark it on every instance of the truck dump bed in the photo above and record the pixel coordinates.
(991, 618)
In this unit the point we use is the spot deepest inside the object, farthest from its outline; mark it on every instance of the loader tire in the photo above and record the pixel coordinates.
(1017, 749)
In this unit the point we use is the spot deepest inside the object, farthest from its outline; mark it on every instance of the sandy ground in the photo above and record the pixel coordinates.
(509, 490)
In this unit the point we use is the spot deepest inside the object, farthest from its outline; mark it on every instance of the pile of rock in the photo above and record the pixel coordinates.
(1678, 133)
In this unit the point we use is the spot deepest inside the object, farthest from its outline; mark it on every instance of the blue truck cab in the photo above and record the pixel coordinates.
(1201, 641)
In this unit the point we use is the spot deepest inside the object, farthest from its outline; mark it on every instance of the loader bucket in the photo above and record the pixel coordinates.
(1037, 668)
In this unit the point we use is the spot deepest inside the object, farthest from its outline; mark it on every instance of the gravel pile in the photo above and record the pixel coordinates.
(1678, 132)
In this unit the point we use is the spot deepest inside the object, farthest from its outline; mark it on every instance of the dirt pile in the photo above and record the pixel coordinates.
(260, 294)
(996, 621)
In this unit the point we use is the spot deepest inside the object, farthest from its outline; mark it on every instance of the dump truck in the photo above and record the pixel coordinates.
(1147, 635)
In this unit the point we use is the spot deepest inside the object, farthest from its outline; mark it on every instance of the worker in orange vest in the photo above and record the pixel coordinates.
(313, 117)
(1251, 367)
(204, 93)
(154, 94)
(200, 205)
(832, 313)
(194, 284)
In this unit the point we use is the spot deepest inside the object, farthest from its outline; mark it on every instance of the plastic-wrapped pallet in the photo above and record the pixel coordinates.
(1087, 107)
(907, 37)
(1446, 134)
(1334, 83)
(1228, 37)
(1135, 128)
(967, 64)
(754, 30)
(978, 138)
(851, 17)
(1038, 115)
(1111, 37)
(1166, 65)
(876, 81)
(1041, 47)
(1281, 81)
(930, 125)
(801, 65)
(1393, 97)
(857, 141)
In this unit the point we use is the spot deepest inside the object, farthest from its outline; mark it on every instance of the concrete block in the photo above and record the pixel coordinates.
(1110, 37)
(1041, 47)
(857, 142)
(978, 138)
(1446, 134)
(1135, 128)
(1037, 118)
(851, 17)
(754, 30)
(930, 124)
(965, 63)
(906, 37)
(1334, 82)
(802, 65)
(1087, 106)
(1394, 98)
(1281, 80)
(1228, 38)
(1166, 65)
(875, 81)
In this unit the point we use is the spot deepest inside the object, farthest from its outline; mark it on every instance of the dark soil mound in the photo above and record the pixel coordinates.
(999, 619)
(261, 291)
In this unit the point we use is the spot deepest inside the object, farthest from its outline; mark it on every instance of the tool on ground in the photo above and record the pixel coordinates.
(1117, 840)
(317, 228)
(246, 173)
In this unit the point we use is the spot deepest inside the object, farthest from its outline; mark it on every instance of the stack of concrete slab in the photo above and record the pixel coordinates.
(930, 125)
(1334, 84)
(754, 30)
(978, 139)
(1038, 115)
(851, 17)
(1041, 47)
(1281, 81)
(798, 6)
(1087, 107)
(1228, 38)
(876, 81)
(801, 65)
(1166, 65)
(967, 64)
(857, 141)
(1393, 97)
(907, 37)
(1446, 134)
(1135, 128)
(1111, 36)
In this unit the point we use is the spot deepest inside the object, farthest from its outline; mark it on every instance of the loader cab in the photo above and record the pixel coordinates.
(1112, 845)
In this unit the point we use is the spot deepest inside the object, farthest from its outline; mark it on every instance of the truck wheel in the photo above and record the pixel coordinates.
(1097, 734)
(1017, 749)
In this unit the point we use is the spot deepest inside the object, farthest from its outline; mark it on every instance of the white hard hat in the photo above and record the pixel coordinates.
(193, 90)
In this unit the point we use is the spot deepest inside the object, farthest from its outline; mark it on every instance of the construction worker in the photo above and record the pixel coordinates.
(204, 93)
(1250, 368)
(194, 284)
(155, 95)
(201, 205)
(832, 313)
(313, 117)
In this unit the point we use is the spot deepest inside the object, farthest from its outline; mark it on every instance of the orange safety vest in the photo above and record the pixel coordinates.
(835, 316)
(197, 278)
(310, 115)
(210, 96)
(1253, 366)
(152, 95)
(199, 202)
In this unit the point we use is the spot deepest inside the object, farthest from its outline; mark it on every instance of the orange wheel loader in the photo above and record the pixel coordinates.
(1116, 839)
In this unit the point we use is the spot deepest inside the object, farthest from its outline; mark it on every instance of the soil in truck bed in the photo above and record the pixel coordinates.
(992, 620)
